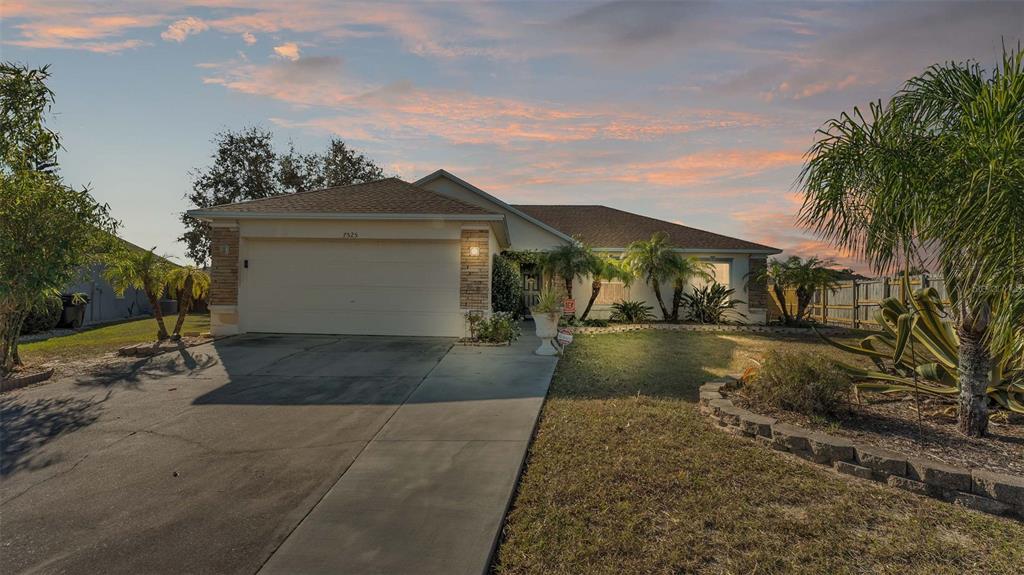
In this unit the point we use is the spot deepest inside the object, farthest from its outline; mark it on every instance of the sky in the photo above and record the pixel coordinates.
(697, 113)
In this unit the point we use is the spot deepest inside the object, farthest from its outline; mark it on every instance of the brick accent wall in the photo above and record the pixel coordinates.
(224, 266)
(474, 272)
(757, 292)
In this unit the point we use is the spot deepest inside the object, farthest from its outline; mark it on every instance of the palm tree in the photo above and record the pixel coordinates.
(605, 268)
(776, 275)
(654, 261)
(937, 175)
(140, 269)
(568, 262)
(187, 284)
(806, 277)
(688, 268)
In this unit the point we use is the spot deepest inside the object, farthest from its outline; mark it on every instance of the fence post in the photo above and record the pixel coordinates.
(824, 306)
(856, 307)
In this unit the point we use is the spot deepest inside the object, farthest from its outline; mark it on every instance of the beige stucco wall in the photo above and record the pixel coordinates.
(642, 291)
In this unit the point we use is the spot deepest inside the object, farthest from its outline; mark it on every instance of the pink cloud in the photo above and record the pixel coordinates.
(774, 223)
(288, 51)
(181, 29)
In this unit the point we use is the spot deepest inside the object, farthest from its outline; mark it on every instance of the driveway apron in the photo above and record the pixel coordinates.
(429, 492)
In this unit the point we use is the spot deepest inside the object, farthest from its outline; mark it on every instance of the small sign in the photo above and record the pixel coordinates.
(564, 337)
(569, 307)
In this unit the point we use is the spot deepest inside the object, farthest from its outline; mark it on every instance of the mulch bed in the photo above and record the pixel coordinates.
(891, 422)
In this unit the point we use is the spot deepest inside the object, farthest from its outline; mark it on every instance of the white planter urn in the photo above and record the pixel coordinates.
(547, 330)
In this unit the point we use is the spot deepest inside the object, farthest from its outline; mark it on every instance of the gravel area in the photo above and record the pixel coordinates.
(892, 422)
(103, 362)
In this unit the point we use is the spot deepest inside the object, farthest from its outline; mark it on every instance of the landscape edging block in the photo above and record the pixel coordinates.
(977, 489)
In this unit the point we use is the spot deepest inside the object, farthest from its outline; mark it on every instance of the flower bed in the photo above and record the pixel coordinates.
(979, 489)
(618, 328)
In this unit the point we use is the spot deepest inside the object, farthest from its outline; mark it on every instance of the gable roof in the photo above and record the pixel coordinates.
(442, 173)
(604, 227)
(390, 196)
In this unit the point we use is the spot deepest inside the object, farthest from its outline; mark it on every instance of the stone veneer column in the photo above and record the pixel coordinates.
(475, 271)
(224, 279)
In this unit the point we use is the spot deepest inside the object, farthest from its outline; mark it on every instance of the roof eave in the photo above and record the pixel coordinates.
(209, 215)
(765, 250)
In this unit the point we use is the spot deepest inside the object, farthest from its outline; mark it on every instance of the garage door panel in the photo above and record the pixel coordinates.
(364, 298)
(390, 323)
(351, 286)
(355, 274)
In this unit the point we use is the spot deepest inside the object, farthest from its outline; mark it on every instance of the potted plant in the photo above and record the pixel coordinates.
(545, 318)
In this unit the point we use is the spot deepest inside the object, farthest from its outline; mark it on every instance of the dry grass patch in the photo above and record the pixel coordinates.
(624, 476)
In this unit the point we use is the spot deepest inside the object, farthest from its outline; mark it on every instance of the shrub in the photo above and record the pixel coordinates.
(549, 301)
(501, 327)
(799, 382)
(711, 304)
(506, 285)
(632, 312)
(43, 316)
(595, 323)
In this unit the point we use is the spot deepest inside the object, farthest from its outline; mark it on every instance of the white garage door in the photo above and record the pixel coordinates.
(377, 287)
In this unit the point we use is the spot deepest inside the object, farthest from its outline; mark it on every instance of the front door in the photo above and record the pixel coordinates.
(531, 289)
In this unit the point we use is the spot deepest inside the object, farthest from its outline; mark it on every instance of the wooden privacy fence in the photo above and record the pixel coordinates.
(854, 303)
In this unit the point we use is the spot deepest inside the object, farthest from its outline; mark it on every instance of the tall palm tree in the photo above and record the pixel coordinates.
(654, 261)
(129, 267)
(688, 268)
(937, 175)
(187, 284)
(605, 268)
(568, 262)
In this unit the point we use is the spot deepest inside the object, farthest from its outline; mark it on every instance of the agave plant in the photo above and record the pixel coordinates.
(713, 304)
(918, 351)
(632, 311)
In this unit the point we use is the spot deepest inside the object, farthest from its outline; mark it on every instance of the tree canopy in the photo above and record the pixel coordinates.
(48, 230)
(245, 166)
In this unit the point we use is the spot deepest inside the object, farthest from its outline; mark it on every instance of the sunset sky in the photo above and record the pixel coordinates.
(697, 113)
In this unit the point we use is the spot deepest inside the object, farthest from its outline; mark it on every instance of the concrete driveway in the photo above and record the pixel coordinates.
(287, 453)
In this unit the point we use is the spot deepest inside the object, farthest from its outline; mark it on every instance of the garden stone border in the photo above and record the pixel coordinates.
(17, 382)
(978, 489)
(706, 327)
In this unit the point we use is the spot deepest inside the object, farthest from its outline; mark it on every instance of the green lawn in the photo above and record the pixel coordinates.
(625, 476)
(108, 338)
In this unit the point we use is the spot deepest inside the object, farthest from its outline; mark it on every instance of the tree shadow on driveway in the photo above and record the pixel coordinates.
(28, 425)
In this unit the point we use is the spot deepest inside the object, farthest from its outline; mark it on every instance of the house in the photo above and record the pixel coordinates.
(104, 304)
(396, 258)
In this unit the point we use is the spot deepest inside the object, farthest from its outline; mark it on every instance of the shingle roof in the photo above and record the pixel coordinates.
(604, 227)
(387, 196)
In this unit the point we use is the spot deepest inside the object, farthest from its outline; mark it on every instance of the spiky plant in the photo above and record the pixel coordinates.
(937, 174)
(918, 351)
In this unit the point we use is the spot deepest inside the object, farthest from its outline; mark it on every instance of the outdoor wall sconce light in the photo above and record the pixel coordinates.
(474, 251)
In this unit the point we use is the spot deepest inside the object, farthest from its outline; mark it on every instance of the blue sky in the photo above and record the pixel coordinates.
(697, 113)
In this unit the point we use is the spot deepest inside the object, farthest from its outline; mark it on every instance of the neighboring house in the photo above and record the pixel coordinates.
(104, 304)
(394, 258)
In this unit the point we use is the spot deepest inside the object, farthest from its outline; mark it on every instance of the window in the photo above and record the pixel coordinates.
(611, 292)
(721, 271)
